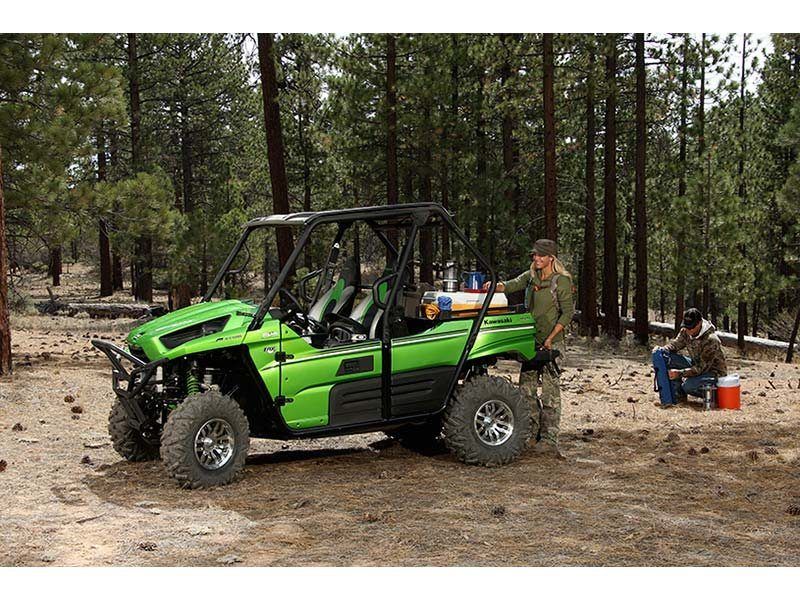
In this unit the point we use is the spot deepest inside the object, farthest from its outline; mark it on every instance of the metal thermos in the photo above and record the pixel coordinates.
(450, 278)
(707, 398)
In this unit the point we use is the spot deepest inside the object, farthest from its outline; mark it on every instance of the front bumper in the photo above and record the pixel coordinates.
(127, 385)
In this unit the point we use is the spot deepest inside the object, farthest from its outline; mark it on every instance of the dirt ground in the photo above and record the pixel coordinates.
(641, 486)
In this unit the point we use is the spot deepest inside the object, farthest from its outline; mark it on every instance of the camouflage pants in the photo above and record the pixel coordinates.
(545, 417)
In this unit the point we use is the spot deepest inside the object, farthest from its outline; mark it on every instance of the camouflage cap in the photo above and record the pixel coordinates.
(545, 247)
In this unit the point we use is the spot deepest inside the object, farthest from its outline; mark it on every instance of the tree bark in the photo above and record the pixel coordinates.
(705, 198)
(275, 150)
(640, 202)
(741, 327)
(680, 281)
(426, 194)
(56, 265)
(6, 366)
(793, 337)
(511, 192)
(143, 259)
(589, 271)
(480, 162)
(392, 187)
(104, 246)
(610, 273)
(550, 204)
(116, 262)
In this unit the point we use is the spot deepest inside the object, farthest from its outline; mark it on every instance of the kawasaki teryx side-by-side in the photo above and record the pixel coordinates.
(352, 346)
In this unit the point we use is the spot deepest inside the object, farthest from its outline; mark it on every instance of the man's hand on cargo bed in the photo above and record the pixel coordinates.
(500, 286)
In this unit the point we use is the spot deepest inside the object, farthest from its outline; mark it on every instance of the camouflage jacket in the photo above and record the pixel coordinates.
(705, 350)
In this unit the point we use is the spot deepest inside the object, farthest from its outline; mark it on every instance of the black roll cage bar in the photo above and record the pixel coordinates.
(419, 213)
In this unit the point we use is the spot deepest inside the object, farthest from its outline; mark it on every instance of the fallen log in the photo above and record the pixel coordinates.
(98, 310)
(727, 338)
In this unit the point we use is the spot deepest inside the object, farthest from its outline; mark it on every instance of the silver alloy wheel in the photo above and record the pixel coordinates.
(214, 444)
(494, 422)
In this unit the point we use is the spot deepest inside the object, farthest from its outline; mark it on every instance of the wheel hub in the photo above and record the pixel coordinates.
(214, 444)
(494, 422)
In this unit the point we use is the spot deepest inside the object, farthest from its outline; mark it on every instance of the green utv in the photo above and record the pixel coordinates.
(354, 346)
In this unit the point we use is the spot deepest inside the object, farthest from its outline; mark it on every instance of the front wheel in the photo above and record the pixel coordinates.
(130, 443)
(205, 440)
(487, 422)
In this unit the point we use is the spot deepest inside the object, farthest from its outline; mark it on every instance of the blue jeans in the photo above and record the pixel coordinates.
(691, 386)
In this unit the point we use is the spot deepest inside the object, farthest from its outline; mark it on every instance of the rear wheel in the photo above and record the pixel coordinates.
(487, 422)
(205, 440)
(130, 443)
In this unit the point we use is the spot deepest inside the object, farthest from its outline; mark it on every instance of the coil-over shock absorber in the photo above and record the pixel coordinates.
(192, 382)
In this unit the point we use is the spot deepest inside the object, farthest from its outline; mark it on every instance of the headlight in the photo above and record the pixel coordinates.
(176, 338)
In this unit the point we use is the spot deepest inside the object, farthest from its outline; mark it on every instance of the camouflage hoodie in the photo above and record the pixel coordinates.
(705, 350)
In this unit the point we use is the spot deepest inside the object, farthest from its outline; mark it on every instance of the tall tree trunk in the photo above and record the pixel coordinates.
(680, 283)
(143, 259)
(425, 235)
(793, 337)
(106, 283)
(640, 236)
(626, 255)
(550, 204)
(741, 313)
(755, 317)
(5, 322)
(56, 265)
(480, 164)
(511, 192)
(186, 161)
(610, 273)
(117, 279)
(705, 196)
(392, 188)
(589, 270)
(275, 151)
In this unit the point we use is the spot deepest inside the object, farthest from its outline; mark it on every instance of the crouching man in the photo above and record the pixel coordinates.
(704, 363)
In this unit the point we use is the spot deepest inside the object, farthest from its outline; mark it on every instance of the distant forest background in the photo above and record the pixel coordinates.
(666, 166)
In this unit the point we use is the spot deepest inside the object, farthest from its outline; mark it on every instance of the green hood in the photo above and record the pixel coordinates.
(231, 319)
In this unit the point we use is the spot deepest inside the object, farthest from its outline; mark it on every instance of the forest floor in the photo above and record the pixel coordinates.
(641, 486)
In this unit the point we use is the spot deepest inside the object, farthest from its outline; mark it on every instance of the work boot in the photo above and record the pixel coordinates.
(548, 448)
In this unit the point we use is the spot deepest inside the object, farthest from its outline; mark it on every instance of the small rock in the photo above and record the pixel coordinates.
(29, 440)
(147, 546)
(77, 409)
(704, 450)
(692, 452)
(588, 432)
(48, 558)
(3, 465)
(632, 400)
(672, 437)
(18, 427)
(762, 394)
(499, 511)
(300, 503)
(86, 460)
(368, 517)
(229, 559)
(771, 450)
(69, 398)
(75, 417)
(94, 445)
(794, 510)
(195, 531)
(145, 504)
(42, 421)
(661, 459)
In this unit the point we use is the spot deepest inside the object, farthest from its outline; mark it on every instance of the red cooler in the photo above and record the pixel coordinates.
(728, 392)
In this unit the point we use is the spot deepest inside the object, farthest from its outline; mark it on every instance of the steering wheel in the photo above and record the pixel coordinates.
(305, 321)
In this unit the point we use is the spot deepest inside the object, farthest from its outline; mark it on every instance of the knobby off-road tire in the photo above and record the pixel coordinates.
(127, 441)
(489, 396)
(205, 416)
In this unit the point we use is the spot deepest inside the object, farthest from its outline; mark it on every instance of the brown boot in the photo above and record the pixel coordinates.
(548, 448)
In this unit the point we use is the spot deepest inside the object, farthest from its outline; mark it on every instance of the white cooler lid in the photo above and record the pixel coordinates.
(728, 381)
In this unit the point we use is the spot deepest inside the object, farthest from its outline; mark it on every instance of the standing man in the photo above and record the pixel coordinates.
(548, 295)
